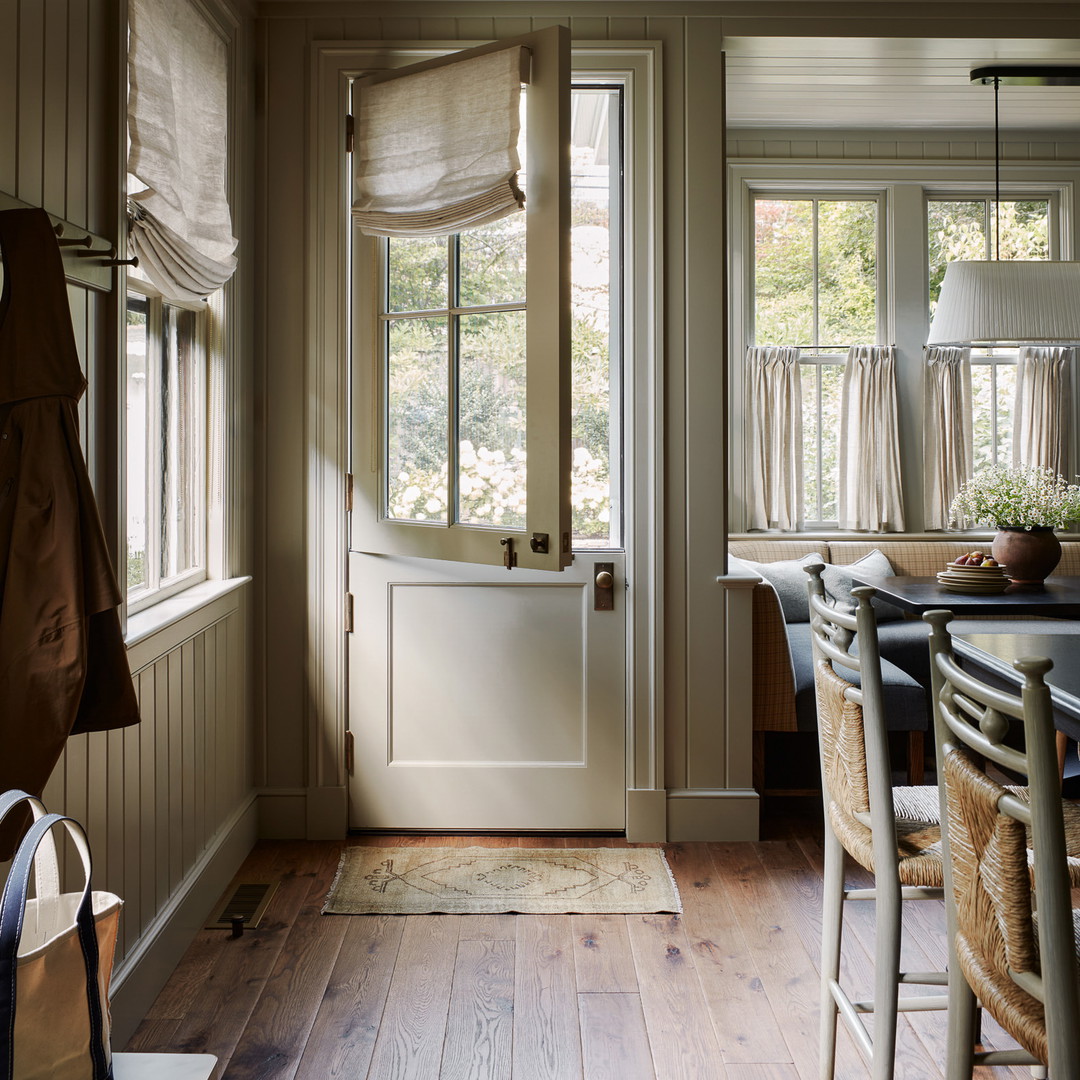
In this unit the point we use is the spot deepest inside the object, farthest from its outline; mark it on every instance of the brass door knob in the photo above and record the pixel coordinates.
(605, 580)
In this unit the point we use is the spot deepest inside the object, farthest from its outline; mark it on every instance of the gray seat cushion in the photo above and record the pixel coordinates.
(905, 699)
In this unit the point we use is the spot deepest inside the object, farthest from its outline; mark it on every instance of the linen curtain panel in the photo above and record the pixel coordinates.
(869, 491)
(181, 228)
(947, 435)
(437, 149)
(774, 404)
(1041, 421)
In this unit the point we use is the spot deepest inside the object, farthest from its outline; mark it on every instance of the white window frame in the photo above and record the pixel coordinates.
(906, 187)
(157, 588)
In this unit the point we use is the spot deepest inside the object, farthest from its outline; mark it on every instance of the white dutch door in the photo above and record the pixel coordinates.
(487, 668)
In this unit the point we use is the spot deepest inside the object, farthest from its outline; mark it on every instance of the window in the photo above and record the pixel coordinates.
(165, 382)
(816, 285)
(969, 228)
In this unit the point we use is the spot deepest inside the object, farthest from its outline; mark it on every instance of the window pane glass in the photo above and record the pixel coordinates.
(491, 263)
(181, 439)
(417, 416)
(594, 237)
(847, 272)
(491, 424)
(1025, 229)
(832, 382)
(137, 419)
(418, 273)
(957, 230)
(811, 485)
(783, 272)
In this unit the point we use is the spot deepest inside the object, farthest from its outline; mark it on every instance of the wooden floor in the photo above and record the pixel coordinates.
(726, 991)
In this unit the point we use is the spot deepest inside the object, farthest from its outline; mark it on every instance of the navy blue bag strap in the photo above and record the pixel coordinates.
(12, 912)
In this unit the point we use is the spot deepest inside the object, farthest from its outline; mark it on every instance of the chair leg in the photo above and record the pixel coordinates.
(887, 927)
(916, 759)
(963, 1018)
(832, 925)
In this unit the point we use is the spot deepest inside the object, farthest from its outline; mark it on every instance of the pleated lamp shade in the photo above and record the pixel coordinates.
(1008, 301)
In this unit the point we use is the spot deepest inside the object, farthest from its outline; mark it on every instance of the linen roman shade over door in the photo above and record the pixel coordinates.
(947, 434)
(869, 492)
(1043, 401)
(437, 148)
(181, 228)
(774, 404)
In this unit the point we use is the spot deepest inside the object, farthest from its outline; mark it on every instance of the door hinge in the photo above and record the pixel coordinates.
(348, 492)
(349, 127)
(350, 753)
(348, 613)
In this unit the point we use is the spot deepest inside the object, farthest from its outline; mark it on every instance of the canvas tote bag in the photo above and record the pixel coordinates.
(56, 956)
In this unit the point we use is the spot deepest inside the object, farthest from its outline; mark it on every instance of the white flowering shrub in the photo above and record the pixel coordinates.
(1027, 497)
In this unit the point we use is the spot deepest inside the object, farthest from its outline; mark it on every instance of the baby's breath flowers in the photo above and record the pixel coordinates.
(1027, 497)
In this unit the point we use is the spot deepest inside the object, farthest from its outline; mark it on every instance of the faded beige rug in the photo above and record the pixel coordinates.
(477, 881)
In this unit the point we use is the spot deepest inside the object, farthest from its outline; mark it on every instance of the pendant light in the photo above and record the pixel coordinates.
(987, 302)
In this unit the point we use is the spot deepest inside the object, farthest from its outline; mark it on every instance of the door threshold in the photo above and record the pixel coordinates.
(495, 833)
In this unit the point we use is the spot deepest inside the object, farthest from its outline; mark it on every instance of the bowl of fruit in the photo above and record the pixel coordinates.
(974, 572)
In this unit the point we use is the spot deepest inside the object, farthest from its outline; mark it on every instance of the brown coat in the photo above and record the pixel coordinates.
(63, 664)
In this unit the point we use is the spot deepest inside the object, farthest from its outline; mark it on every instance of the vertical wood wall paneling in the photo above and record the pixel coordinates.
(9, 97)
(55, 106)
(78, 120)
(148, 837)
(30, 99)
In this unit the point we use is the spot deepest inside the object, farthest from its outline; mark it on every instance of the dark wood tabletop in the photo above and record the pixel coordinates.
(1058, 597)
(994, 654)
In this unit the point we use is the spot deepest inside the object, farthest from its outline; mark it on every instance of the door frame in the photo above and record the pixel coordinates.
(326, 434)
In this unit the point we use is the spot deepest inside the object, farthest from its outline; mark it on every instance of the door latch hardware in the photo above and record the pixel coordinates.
(539, 543)
(604, 587)
(509, 555)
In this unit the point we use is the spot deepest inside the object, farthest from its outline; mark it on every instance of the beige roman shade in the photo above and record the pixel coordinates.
(436, 149)
(181, 227)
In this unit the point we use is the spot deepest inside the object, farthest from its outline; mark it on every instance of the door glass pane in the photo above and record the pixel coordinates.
(595, 174)
(138, 418)
(417, 419)
(417, 269)
(491, 267)
(180, 442)
(491, 419)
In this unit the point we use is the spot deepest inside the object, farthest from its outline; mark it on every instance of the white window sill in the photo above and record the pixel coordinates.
(152, 620)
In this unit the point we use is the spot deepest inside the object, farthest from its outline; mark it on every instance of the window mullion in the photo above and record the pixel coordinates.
(453, 470)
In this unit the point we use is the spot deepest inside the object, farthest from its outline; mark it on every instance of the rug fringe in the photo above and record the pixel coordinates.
(337, 878)
(674, 883)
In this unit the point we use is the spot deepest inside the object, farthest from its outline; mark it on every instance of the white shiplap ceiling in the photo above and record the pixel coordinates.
(892, 83)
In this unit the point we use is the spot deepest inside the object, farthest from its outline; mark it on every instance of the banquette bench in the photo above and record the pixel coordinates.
(783, 678)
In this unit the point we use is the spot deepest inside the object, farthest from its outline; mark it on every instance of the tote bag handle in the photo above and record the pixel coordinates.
(12, 910)
(46, 869)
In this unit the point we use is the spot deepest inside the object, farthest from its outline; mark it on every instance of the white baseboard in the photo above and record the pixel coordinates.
(137, 981)
(712, 814)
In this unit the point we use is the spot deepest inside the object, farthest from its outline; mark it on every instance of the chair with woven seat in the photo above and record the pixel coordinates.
(893, 832)
(1017, 952)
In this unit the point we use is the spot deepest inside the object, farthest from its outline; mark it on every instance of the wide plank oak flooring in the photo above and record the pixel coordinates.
(726, 991)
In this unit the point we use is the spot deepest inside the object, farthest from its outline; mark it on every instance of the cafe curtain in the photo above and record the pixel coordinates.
(869, 491)
(774, 408)
(1041, 413)
(437, 150)
(181, 227)
(947, 434)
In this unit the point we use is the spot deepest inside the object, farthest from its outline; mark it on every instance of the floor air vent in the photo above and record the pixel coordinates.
(244, 899)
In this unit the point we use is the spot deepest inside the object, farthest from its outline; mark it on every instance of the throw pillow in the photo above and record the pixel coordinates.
(839, 581)
(788, 578)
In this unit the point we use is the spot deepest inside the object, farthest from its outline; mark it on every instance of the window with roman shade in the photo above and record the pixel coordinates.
(181, 227)
(437, 149)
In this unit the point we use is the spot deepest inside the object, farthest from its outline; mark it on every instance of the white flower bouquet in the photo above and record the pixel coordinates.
(1027, 497)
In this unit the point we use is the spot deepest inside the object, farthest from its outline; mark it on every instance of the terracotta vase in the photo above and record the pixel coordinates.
(1028, 555)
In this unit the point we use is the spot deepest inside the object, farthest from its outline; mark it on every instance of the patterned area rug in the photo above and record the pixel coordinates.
(477, 881)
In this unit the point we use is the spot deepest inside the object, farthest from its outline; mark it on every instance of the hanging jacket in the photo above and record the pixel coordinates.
(63, 664)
